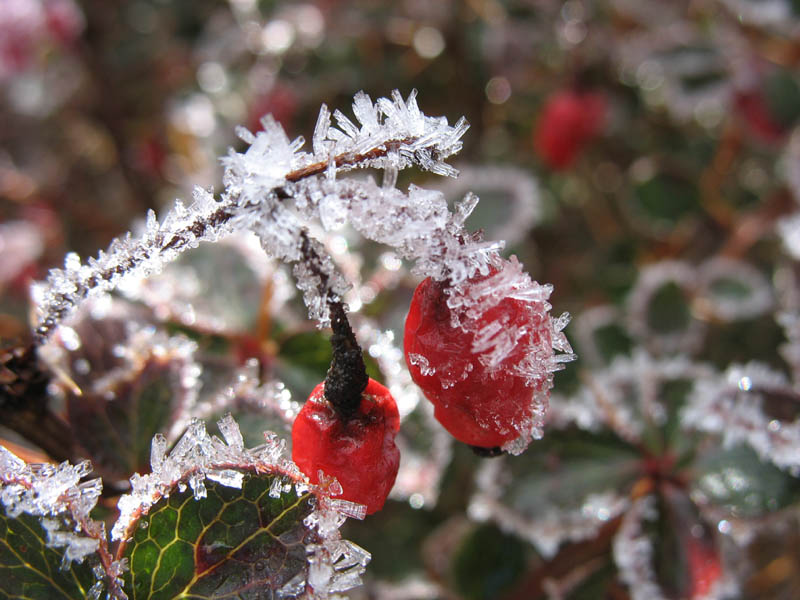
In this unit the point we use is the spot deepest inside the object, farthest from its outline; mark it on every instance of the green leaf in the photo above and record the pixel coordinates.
(563, 468)
(240, 543)
(31, 570)
(116, 431)
(668, 311)
(686, 559)
(663, 201)
(735, 479)
(487, 563)
(782, 92)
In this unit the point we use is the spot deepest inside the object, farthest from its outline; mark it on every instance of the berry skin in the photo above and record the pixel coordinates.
(479, 404)
(360, 452)
(568, 121)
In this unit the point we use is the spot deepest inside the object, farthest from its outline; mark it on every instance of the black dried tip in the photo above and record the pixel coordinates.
(487, 452)
(347, 376)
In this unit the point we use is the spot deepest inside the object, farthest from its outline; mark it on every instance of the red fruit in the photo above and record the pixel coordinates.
(752, 106)
(485, 368)
(360, 452)
(569, 120)
(705, 568)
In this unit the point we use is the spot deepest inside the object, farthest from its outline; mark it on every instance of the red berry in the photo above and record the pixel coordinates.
(360, 451)
(753, 108)
(567, 122)
(705, 568)
(484, 366)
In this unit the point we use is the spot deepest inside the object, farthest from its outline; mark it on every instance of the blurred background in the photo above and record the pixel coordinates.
(642, 156)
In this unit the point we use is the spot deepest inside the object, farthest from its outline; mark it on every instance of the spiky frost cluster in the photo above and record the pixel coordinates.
(62, 502)
(52, 491)
(393, 134)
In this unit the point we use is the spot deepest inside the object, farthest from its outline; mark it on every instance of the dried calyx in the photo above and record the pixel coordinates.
(347, 376)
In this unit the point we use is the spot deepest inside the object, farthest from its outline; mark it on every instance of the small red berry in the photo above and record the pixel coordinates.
(484, 366)
(360, 451)
(753, 108)
(705, 568)
(567, 122)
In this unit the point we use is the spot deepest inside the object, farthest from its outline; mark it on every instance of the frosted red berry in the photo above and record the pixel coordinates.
(359, 451)
(568, 121)
(480, 401)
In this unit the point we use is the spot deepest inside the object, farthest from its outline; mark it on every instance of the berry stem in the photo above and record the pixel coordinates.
(347, 375)
(487, 452)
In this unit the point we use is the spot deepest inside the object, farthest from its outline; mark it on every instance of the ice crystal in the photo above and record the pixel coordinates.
(732, 406)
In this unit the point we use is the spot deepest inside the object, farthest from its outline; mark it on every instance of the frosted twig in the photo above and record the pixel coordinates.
(394, 134)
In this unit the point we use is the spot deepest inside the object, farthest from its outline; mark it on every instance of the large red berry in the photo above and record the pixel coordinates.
(567, 122)
(360, 451)
(485, 365)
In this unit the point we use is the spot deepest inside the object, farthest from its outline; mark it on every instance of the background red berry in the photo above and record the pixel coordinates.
(479, 404)
(360, 452)
(567, 122)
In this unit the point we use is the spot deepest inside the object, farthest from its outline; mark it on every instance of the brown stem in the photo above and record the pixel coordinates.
(347, 376)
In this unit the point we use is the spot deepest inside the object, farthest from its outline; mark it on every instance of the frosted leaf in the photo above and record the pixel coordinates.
(633, 551)
(653, 279)
(734, 290)
(513, 195)
(333, 564)
(733, 406)
(543, 523)
(678, 68)
(55, 494)
(627, 395)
